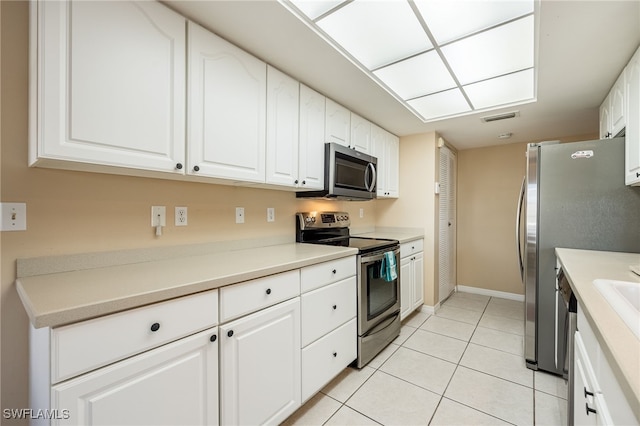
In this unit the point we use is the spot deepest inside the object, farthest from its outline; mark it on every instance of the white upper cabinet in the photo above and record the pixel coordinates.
(311, 148)
(632, 141)
(337, 124)
(617, 106)
(360, 134)
(283, 97)
(227, 109)
(386, 148)
(108, 85)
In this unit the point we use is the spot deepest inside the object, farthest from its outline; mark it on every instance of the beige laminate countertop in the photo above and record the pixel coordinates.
(400, 234)
(618, 342)
(65, 297)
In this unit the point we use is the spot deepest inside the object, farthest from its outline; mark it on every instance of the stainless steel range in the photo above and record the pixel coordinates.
(378, 293)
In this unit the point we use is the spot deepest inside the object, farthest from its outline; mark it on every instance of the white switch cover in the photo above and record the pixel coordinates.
(361, 213)
(14, 216)
(158, 216)
(239, 214)
(271, 214)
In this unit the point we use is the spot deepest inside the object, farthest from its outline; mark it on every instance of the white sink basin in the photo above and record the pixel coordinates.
(624, 298)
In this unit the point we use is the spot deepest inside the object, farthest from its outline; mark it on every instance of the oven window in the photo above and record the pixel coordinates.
(381, 295)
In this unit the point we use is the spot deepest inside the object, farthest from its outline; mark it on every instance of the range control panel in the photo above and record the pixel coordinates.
(315, 220)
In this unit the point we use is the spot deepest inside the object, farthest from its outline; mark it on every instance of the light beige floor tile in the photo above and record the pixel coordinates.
(464, 315)
(497, 363)
(347, 382)
(466, 303)
(475, 296)
(383, 356)
(551, 384)
(507, 325)
(347, 416)
(442, 347)
(508, 342)
(550, 410)
(405, 332)
(392, 401)
(506, 302)
(511, 310)
(415, 319)
(420, 369)
(316, 411)
(508, 401)
(451, 413)
(456, 329)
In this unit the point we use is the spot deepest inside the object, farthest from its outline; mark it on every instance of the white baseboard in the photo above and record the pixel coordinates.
(429, 309)
(492, 293)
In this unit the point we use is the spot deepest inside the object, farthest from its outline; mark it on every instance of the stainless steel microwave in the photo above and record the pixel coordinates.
(348, 175)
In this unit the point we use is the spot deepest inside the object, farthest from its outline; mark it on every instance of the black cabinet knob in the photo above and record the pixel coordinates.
(304, 182)
(637, 174)
(213, 338)
(196, 168)
(334, 271)
(268, 291)
(230, 333)
(335, 354)
(155, 326)
(179, 166)
(296, 181)
(335, 307)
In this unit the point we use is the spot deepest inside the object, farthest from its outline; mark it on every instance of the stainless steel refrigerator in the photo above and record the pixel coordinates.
(573, 196)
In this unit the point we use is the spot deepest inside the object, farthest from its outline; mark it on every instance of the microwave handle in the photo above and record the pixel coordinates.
(371, 171)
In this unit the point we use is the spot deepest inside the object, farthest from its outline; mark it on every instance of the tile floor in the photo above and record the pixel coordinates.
(462, 366)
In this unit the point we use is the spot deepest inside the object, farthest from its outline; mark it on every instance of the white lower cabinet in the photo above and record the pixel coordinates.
(260, 366)
(411, 277)
(170, 385)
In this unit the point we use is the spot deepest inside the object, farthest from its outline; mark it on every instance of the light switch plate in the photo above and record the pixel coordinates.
(14, 216)
(239, 214)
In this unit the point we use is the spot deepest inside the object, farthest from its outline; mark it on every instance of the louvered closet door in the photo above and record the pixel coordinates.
(447, 223)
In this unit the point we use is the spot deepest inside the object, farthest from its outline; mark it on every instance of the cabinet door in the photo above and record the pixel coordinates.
(173, 384)
(392, 160)
(632, 138)
(418, 281)
(311, 148)
(617, 106)
(584, 383)
(227, 109)
(283, 94)
(360, 134)
(260, 366)
(337, 123)
(378, 148)
(110, 85)
(406, 287)
(605, 120)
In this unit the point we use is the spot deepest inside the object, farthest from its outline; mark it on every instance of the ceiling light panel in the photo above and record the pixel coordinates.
(498, 51)
(449, 20)
(376, 33)
(315, 8)
(417, 76)
(508, 89)
(442, 104)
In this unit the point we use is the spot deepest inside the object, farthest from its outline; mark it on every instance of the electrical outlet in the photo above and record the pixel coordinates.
(181, 216)
(239, 214)
(14, 217)
(158, 216)
(271, 214)
(361, 213)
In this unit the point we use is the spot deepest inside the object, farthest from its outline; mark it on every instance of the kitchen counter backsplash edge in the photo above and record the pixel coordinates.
(28, 267)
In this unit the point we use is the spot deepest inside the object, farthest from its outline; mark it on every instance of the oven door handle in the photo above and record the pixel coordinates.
(385, 323)
(377, 256)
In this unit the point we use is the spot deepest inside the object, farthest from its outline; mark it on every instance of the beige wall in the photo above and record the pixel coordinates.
(76, 212)
(489, 182)
(417, 205)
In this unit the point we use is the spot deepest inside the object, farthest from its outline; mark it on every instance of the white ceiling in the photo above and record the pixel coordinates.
(582, 48)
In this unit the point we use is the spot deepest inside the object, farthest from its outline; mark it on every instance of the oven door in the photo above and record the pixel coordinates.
(377, 298)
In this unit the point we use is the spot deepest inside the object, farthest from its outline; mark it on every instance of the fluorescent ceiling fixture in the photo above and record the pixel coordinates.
(507, 89)
(439, 58)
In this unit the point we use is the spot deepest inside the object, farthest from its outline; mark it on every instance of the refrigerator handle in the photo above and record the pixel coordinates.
(518, 230)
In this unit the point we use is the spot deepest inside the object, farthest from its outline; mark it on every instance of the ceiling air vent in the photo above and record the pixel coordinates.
(505, 116)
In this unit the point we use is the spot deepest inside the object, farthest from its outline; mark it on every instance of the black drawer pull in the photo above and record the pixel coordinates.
(155, 326)
(213, 337)
(230, 333)
(268, 291)
(586, 392)
(589, 409)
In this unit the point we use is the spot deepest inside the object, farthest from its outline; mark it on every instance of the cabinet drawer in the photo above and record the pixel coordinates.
(327, 357)
(412, 247)
(316, 276)
(326, 308)
(87, 345)
(241, 299)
